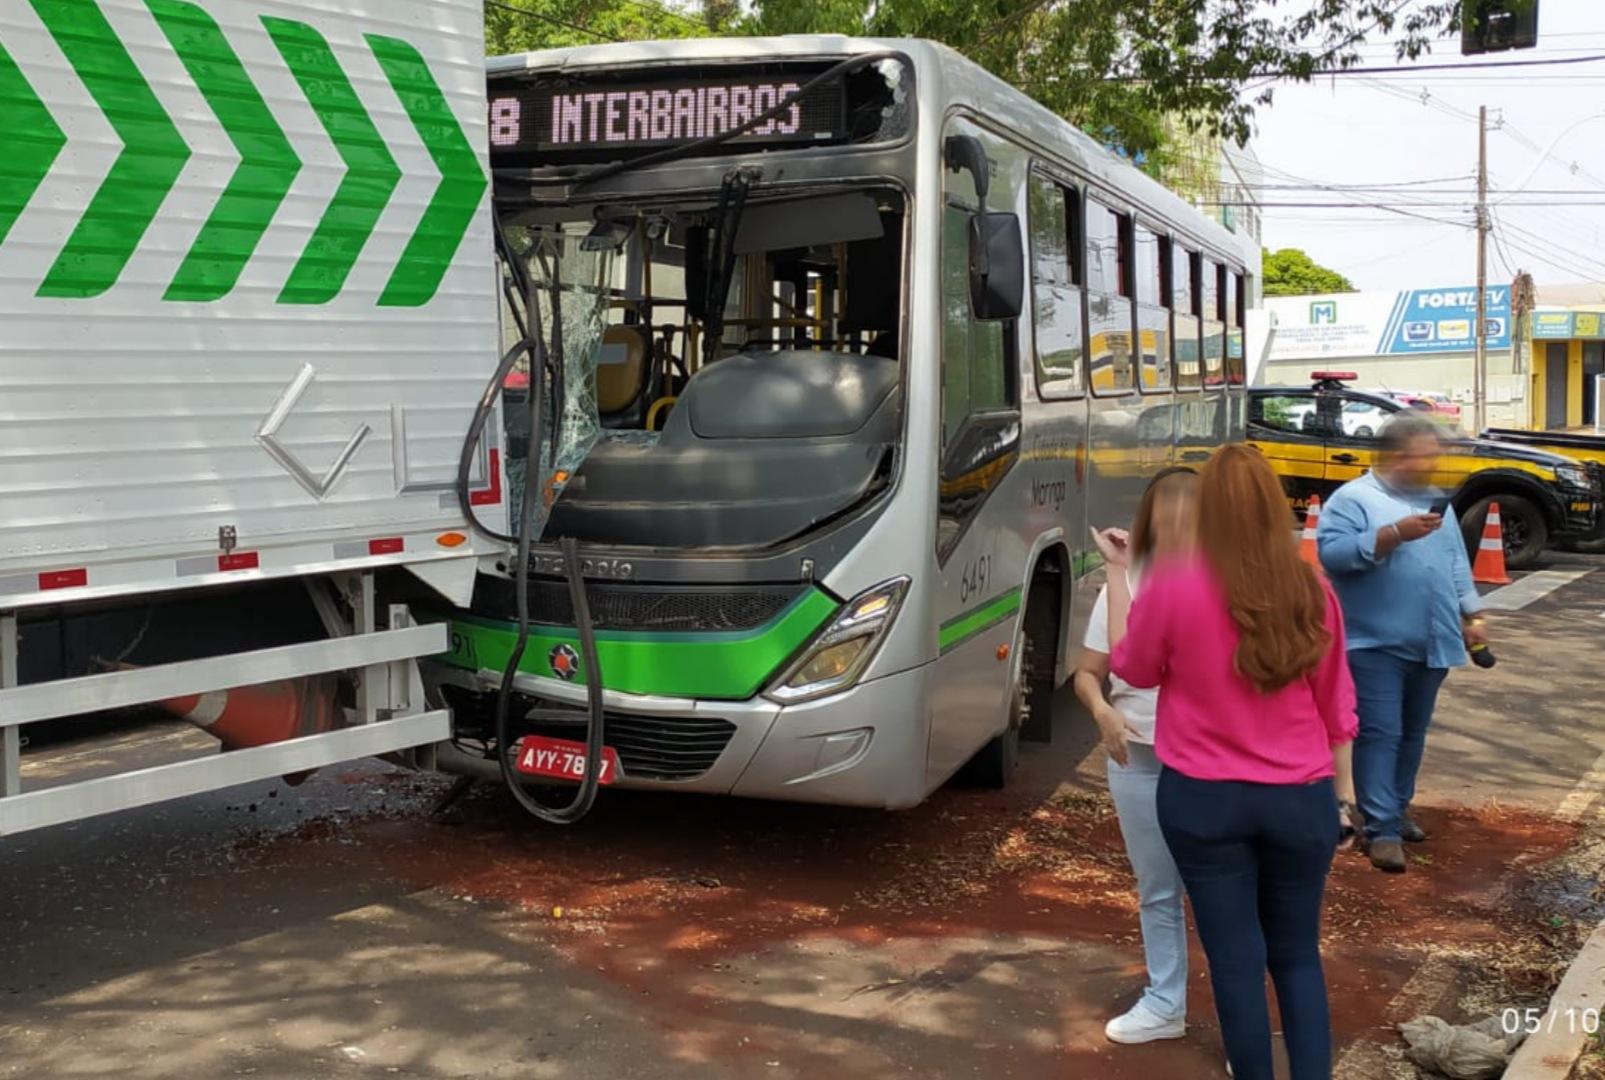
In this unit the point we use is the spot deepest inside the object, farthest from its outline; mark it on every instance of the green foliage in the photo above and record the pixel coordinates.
(1290, 272)
(1116, 68)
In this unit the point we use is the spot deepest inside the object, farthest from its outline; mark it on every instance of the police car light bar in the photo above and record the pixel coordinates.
(1334, 376)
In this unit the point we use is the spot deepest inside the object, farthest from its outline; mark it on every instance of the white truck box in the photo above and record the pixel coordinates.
(247, 292)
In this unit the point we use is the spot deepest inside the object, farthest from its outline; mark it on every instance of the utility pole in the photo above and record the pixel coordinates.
(1479, 384)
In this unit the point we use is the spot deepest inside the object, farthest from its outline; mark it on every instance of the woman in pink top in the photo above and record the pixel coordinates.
(1255, 718)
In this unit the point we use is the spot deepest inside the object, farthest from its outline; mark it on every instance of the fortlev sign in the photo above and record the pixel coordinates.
(1386, 324)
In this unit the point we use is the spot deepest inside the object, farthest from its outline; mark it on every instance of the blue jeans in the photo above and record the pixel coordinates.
(1396, 697)
(1255, 859)
(1134, 788)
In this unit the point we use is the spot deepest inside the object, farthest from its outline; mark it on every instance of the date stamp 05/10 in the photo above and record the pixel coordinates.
(1533, 1021)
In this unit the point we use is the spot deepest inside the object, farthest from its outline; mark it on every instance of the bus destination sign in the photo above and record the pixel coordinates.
(571, 120)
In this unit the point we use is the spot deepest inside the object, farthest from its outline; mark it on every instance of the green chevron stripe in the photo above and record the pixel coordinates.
(462, 182)
(153, 153)
(268, 163)
(29, 142)
(371, 173)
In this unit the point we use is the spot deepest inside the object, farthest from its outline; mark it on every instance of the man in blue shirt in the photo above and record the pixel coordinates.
(1410, 610)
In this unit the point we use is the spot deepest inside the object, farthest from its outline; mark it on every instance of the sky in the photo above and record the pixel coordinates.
(1416, 133)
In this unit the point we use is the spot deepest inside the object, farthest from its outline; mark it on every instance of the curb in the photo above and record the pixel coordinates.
(1552, 1051)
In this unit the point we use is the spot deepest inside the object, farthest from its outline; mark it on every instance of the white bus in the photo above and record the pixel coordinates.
(876, 338)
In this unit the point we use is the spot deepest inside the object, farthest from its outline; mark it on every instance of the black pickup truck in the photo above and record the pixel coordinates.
(1585, 448)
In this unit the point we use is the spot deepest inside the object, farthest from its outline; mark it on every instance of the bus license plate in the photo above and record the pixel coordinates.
(540, 756)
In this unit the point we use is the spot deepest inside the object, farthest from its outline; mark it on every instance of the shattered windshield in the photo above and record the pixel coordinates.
(731, 362)
(568, 280)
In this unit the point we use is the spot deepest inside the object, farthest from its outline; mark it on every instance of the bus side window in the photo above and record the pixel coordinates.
(976, 354)
(1056, 270)
(1109, 264)
(1236, 371)
(1153, 321)
(1214, 281)
(1184, 316)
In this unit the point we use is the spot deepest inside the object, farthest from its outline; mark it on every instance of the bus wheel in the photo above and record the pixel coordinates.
(1038, 636)
(1522, 523)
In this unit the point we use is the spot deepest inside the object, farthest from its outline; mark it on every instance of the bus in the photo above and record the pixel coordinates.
(876, 338)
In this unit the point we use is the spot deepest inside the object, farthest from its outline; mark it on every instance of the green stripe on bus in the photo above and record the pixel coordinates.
(726, 666)
(963, 627)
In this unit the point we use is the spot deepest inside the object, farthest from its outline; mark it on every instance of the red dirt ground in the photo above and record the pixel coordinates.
(656, 892)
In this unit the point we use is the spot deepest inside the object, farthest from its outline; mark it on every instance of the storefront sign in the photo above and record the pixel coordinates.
(1552, 324)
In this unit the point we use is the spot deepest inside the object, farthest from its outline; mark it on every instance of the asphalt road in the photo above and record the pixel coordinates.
(341, 929)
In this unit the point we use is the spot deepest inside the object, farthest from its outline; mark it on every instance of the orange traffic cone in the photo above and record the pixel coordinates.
(266, 713)
(1489, 567)
(1307, 549)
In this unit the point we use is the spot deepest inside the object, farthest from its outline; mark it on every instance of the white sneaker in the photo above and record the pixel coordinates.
(1141, 1025)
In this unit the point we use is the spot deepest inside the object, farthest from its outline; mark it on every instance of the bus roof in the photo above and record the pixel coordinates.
(961, 80)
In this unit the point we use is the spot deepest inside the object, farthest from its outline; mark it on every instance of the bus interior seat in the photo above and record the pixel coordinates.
(759, 447)
(622, 373)
(786, 394)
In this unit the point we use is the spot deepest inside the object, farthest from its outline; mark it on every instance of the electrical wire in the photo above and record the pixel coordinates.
(552, 20)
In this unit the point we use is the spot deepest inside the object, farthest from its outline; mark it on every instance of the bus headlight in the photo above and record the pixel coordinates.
(839, 654)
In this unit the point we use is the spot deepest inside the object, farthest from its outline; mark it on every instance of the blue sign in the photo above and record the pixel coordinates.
(1444, 320)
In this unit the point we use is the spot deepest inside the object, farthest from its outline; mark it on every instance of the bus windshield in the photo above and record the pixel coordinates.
(746, 358)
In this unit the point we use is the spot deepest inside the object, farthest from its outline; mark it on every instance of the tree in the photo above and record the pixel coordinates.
(1290, 272)
(1116, 68)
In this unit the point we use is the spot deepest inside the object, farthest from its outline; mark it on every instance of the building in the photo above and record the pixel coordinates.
(1568, 351)
(1221, 179)
(1417, 339)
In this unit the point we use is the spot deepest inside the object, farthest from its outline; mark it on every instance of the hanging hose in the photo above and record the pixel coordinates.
(540, 361)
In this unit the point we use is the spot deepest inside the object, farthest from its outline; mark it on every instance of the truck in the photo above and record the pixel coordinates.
(1583, 447)
(247, 285)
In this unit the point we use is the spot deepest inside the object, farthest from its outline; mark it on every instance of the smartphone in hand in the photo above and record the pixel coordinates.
(1440, 506)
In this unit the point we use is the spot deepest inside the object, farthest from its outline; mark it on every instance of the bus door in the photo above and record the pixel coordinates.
(980, 526)
(1291, 428)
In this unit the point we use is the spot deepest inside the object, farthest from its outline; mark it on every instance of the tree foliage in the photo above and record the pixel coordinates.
(1116, 68)
(1290, 272)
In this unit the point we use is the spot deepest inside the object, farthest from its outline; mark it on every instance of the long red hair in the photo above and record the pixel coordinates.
(1275, 599)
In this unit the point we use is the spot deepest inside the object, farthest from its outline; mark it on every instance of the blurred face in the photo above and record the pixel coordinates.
(1175, 518)
(1412, 467)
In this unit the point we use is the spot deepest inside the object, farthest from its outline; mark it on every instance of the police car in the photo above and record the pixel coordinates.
(1313, 439)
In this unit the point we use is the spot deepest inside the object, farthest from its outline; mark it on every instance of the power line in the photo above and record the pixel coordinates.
(1554, 61)
(551, 20)
(1394, 69)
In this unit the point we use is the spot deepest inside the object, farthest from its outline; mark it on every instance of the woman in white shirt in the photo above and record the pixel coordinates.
(1166, 525)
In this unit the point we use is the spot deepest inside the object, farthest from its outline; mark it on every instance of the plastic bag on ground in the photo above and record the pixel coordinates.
(1477, 1051)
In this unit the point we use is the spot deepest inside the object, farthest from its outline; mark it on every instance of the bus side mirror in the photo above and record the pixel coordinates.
(997, 266)
(964, 153)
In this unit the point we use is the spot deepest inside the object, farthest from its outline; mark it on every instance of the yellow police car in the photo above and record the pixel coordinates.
(1319, 436)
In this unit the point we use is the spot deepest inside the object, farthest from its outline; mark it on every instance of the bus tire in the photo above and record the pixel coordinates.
(1039, 655)
(1525, 531)
(994, 764)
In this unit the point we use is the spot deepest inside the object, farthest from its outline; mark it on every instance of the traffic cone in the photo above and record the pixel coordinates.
(1307, 548)
(1489, 568)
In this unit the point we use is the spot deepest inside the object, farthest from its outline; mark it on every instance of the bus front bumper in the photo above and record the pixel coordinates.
(863, 747)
